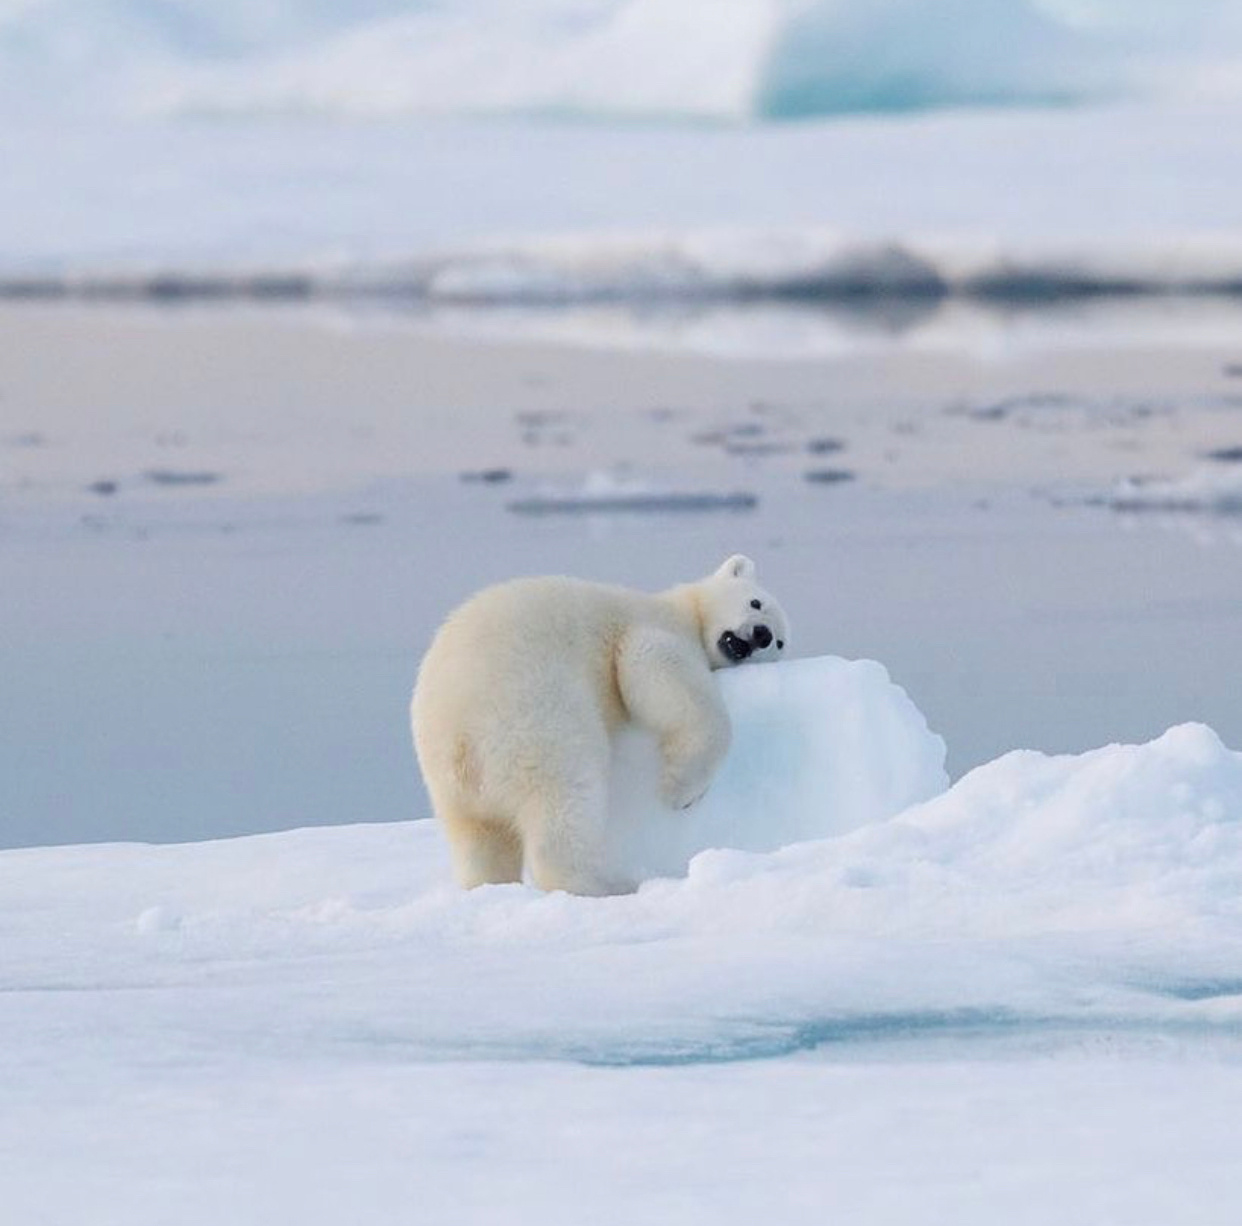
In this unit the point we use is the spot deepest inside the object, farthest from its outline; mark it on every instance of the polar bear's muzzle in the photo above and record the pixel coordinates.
(733, 647)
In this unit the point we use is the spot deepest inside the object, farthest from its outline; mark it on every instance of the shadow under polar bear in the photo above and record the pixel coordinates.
(820, 747)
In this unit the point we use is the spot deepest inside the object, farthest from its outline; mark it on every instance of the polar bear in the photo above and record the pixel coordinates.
(524, 687)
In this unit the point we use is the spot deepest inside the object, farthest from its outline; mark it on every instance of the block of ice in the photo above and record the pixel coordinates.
(820, 747)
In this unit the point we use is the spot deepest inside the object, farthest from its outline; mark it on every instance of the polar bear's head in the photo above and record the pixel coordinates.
(740, 621)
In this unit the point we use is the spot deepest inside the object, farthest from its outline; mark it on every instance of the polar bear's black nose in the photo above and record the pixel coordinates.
(762, 637)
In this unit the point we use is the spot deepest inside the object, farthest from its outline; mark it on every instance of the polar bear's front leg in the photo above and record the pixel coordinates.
(671, 692)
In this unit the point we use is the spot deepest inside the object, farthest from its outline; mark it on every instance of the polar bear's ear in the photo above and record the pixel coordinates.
(739, 566)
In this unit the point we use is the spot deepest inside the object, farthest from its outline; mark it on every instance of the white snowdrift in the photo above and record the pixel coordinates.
(1038, 896)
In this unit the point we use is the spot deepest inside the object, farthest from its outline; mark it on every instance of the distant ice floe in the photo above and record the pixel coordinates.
(810, 264)
(699, 268)
(1208, 491)
(651, 59)
(603, 493)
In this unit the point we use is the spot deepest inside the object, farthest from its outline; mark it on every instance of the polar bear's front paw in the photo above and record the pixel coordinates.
(681, 793)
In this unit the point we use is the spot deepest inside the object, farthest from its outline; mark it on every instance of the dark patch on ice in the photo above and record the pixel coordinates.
(1001, 410)
(1196, 989)
(103, 488)
(825, 446)
(37, 288)
(633, 503)
(739, 438)
(30, 438)
(1226, 455)
(757, 447)
(1041, 288)
(487, 476)
(1137, 501)
(988, 412)
(162, 288)
(828, 476)
(173, 476)
(727, 1041)
(1232, 370)
(978, 1026)
(544, 426)
(362, 519)
(885, 284)
(762, 1043)
(538, 417)
(662, 414)
(750, 438)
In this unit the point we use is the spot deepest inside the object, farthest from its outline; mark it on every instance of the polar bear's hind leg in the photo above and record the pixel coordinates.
(565, 849)
(483, 852)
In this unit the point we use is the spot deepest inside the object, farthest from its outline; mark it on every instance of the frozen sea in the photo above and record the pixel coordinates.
(225, 537)
(217, 588)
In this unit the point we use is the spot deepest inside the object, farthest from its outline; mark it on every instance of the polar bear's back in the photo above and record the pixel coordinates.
(551, 621)
(521, 670)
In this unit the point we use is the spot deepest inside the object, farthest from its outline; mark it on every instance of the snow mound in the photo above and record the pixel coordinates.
(1124, 837)
(820, 747)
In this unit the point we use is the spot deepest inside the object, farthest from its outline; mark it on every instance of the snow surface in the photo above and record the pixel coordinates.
(1021, 993)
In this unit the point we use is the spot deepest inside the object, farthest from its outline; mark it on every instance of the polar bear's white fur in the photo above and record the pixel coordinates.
(525, 686)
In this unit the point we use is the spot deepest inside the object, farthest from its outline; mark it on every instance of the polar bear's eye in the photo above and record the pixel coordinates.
(756, 604)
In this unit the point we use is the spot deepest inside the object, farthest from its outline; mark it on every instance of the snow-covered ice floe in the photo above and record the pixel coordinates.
(644, 503)
(1038, 896)
(1020, 991)
(1209, 491)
